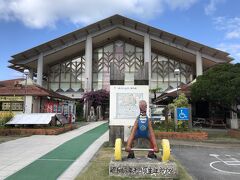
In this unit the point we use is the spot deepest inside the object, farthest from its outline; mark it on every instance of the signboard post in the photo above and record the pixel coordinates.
(181, 114)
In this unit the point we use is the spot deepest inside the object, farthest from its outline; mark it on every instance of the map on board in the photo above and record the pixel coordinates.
(127, 106)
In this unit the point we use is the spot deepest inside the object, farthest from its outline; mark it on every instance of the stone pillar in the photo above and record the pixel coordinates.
(234, 119)
(30, 76)
(147, 55)
(40, 69)
(88, 65)
(28, 104)
(36, 105)
(199, 64)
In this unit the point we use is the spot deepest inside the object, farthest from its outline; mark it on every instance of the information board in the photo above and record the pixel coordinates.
(124, 103)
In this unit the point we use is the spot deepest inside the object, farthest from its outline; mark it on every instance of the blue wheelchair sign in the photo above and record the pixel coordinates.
(182, 114)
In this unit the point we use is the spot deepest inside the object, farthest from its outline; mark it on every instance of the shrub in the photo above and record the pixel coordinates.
(169, 126)
(182, 126)
(163, 126)
(5, 117)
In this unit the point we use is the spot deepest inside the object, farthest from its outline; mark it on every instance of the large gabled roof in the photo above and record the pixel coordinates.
(125, 22)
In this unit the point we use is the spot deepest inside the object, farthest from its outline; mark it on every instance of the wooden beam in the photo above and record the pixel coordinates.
(123, 22)
(111, 23)
(24, 56)
(49, 46)
(66, 58)
(187, 44)
(215, 53)
(62, 42)
(37, 51)
(148, 29)
(99, 27)
(135, 26)
(74, 36)
(160, 35)
(174, 39)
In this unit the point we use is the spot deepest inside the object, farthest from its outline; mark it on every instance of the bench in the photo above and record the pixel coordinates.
(217, 122)
(199, 122)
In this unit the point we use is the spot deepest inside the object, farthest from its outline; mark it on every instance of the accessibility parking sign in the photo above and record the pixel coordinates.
(183, 114)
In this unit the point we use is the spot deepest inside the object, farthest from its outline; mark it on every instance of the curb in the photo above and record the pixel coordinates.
(208, 145)
(223, 142)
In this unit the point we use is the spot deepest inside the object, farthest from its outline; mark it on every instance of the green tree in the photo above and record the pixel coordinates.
(155, 91)
(96, 98)
(180, 101)
(219, 85)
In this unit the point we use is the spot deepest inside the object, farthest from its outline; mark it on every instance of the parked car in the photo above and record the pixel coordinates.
(157, 112)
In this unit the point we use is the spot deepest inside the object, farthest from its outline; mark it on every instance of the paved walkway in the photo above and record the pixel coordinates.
(84, 159)
(32, 148)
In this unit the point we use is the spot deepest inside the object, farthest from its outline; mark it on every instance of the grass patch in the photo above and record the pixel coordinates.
(183, 174)
(98, 166)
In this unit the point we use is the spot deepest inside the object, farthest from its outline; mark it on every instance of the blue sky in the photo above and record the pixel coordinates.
(28, 23)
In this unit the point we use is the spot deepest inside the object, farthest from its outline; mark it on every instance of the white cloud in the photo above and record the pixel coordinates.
(233, 35)
(180, 4)
(210, 8)
(232, 48)
(231, 26)
(46, 13)
(4, 13)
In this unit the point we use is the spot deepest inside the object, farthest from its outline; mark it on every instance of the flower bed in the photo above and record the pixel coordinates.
(234, 133)
(36, 131)
(182, 135)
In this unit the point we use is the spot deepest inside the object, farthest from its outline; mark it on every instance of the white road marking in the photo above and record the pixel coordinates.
(230, 162)
(233, 159)
(214, 155)
(229, 172)
(233, 163)
(217, 157)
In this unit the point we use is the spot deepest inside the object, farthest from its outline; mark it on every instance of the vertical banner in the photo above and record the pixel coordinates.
(48, 107)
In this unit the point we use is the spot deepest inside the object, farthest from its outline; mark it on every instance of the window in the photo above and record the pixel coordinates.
(68, 75)
(126, 57)
(11, 106)
(163, 72)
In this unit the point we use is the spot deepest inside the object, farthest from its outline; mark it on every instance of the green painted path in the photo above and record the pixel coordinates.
(54, 163)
